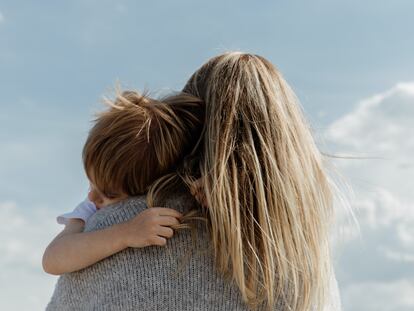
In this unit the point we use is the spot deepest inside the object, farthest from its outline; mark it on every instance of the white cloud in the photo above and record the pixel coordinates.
(381, 126)
(379, 296)
(375, 272)
(24, 235)
(381, 117)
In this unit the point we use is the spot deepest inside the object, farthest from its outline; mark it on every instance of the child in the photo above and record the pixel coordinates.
(132, 144)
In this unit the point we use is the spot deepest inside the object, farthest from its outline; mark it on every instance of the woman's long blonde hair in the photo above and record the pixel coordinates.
(263, 179)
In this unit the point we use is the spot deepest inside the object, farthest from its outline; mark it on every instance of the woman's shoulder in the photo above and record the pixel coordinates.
(123, 210)
(116, 213)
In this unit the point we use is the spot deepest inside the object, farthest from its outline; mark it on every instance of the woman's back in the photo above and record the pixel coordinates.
(150, 278)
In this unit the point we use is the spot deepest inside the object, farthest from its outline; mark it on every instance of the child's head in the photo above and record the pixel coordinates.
(139, 139)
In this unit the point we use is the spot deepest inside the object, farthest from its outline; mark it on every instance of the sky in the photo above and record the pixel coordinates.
(350, 63)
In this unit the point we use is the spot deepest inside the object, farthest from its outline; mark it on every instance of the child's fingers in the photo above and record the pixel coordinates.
(165, 232)
(165, 211)
(168, 221)
(158, 240)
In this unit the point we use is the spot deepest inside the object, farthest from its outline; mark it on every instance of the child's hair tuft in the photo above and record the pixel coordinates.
(138, 139)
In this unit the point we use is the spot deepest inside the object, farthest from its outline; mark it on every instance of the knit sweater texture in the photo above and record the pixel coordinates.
(179, 276)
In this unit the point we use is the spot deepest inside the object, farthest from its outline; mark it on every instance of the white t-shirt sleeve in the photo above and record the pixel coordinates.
(83, 211)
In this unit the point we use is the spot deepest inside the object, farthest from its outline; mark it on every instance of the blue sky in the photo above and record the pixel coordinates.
(57, 59)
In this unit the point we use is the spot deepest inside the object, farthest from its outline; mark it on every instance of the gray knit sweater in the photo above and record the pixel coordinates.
(153, 277)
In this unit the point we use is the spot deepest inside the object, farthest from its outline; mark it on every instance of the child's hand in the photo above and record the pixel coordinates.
(150, 227)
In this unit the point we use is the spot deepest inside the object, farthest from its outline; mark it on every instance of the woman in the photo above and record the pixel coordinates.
(264, 193)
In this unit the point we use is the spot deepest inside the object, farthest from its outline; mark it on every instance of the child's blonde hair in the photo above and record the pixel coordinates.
(138, 139)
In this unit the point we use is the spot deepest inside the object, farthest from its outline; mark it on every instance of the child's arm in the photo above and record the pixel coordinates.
(72, 249)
